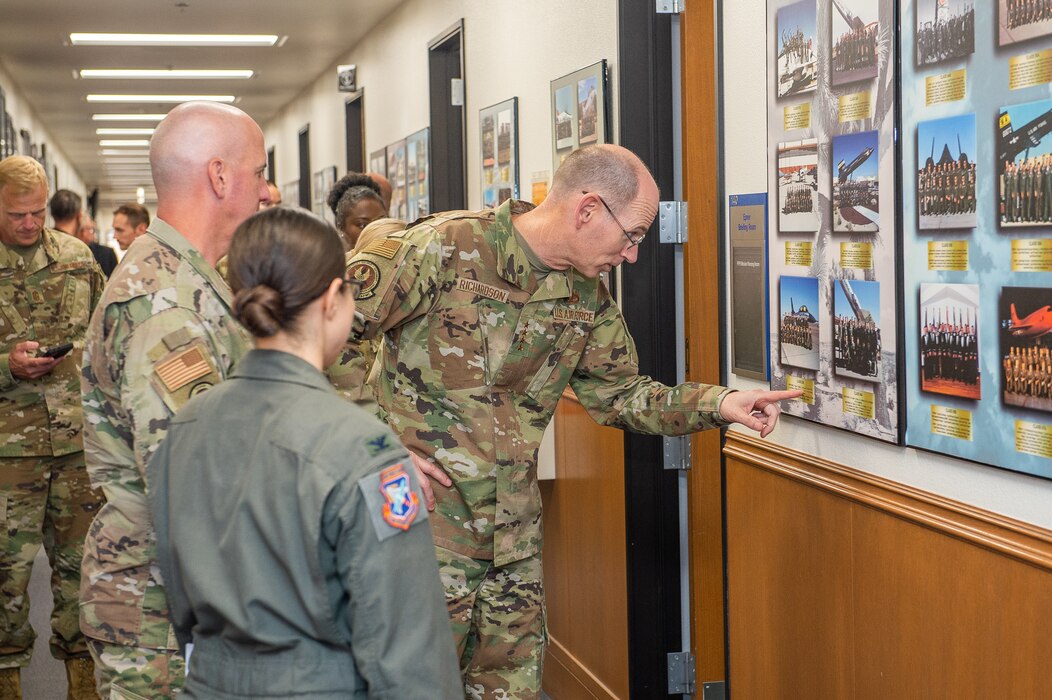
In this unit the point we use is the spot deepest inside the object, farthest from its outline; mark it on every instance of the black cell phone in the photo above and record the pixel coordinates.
(57, 351)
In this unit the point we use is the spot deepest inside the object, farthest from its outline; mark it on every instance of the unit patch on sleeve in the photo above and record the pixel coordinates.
(400, 503)
(366, 273)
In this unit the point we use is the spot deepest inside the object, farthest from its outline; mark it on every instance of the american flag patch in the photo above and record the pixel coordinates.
(183, 369)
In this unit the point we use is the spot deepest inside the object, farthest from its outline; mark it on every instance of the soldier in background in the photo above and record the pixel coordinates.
(49, 283)
(129, 222)
(487, 317)
(163, 332)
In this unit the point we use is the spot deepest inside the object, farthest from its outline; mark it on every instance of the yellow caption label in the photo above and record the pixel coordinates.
(858, 105)
(798, 253)
(1030, 69)
(948, 87)
(1004, 121)
(858, 256)
(796, 117)
(948, 255)
(802, 384)
(858, 403)
(1032, 255)
(1033, 438)
(951, 422)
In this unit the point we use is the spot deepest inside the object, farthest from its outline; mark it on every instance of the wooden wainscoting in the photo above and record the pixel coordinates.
(846, 585)
(585, 574)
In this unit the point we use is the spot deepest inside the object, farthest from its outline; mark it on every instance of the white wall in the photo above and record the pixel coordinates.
(510, 49)
(25, 118)
(745, 76)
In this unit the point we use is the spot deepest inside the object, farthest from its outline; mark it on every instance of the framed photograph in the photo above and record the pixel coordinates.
(797, 49)
(856, 329)
(378, 162)
(290, 193)
(323, 181)
(1026, 347)
(418, 174)
(945, 30)
(579, 111)
(949, 340)
(1024, 164)
(855, 33)
(397, 176)
(946, 174)
(856, 186)
(1019, 20)
(798, 326)
(798, 208)
(499, 152)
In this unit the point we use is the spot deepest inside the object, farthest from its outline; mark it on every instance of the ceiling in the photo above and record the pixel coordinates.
(35, 50)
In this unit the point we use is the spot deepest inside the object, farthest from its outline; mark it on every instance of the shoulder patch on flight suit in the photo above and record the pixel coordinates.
(367, 274)
(393, 504)
(385, 248)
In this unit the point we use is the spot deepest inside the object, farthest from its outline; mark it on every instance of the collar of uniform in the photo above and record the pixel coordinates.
(9, 257)
(278, 366)
(49, 242)
(512, 263)
(163, 231)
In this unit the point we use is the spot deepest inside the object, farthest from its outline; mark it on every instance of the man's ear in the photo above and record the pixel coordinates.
(585, 210)
(217, 176)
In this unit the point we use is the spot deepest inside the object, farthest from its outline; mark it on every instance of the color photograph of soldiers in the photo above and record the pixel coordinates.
(1026, 347)
(945, 30)
(1024, 19)
(797, 58)
(949, 340)
(856, 329)
(946, 174)
(798, 327)
(855, 51)
(798, 186)
(856, 190)
(1025, 164)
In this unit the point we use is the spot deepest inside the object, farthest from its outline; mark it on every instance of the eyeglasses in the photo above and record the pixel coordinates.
(354, 284)
(633, 241)
(16, 217)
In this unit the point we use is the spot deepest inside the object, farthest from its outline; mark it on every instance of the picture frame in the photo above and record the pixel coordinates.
(499, 152)
(579, 109)
(396, 175)
(323, 181)
(418, 174)
(378, 162)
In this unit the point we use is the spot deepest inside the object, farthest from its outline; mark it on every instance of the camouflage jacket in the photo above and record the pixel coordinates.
(49, 301)
(477, 353)
(161, 334)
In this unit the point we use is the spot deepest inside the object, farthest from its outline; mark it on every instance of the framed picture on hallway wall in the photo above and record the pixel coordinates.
(499, 152)
(580, 105)
(396, 175)
(418, 174)
(378, 162)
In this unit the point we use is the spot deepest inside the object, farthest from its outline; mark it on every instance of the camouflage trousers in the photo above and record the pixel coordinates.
(136, 673)
(49, 501)
(498, 620)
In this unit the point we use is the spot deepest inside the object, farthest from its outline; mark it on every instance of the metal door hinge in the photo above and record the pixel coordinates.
(670, 7)
(676, 452)
(681, 669)
(715, 690)
(672, 222)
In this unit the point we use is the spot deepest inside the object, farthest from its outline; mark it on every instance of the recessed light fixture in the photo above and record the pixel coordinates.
(114, 160)
(124, 142)
(105, 39)
(165, 74)
(125, 132)
(121, 152)
(161, 98)
(127, 117)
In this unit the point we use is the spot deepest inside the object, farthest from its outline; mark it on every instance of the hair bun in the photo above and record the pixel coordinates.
(260, 309)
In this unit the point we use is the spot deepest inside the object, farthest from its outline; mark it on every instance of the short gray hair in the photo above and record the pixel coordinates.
(611, 173)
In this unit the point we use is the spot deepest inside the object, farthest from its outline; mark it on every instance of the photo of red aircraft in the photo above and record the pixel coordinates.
(1026, 347)
(1036, 324)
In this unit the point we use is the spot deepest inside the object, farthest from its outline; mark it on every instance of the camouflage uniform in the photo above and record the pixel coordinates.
(45, 494)
(161, 334)
(478, 349)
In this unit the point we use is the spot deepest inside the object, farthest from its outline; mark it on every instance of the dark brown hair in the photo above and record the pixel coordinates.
(281, 259)
(135, 214)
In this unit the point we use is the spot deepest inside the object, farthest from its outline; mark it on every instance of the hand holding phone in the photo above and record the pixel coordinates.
(56, 351)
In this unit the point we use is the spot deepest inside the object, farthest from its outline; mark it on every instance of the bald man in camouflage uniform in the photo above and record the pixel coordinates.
(162, 333)
(488, 316)
(49, 283)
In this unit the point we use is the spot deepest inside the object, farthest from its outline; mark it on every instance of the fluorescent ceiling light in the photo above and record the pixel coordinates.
(164, 74)
(125, 132)
(161, 98)
(127, 117)
(124, 142)
(107, 161)
(104, 39)
(121, 152)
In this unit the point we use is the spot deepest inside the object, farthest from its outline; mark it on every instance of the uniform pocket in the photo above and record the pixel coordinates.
(456, 348)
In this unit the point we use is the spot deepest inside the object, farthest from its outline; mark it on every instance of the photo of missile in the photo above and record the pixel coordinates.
(855, 30)
(856, 329)
(1026, 347)
(949, 340)
(856, 190)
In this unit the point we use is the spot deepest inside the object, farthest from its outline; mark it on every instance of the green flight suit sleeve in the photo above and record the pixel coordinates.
(609, 386)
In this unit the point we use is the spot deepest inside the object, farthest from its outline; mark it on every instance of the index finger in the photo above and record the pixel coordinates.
(783, 395)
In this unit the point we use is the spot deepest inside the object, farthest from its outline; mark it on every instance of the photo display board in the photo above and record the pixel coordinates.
(977, 229)
(833, 238)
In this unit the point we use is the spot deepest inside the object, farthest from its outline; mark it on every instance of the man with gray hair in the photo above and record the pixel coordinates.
(487, 316)
(162, 334)
(49, 283)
